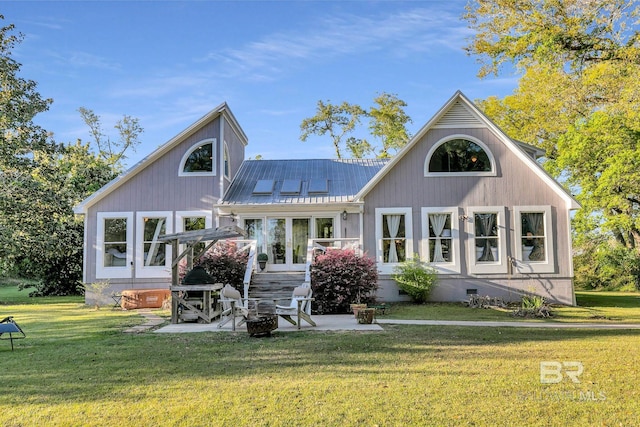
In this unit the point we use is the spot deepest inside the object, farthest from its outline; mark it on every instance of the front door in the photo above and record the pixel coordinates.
(287, 243)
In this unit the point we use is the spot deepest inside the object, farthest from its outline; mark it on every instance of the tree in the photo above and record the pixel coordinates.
(387, 122)
(578, 98)
(113, 152)
(336, 120)
(23, 146)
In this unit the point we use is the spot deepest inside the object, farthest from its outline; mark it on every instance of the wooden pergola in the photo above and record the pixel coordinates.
(190, 239)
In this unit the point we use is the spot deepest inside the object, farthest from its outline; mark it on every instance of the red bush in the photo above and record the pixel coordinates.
(340, 278)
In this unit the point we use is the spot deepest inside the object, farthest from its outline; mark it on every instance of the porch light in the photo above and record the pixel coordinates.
(344, 215)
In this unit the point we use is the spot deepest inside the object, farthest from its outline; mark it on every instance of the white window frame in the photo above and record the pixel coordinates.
(448, 138)
(500, 266)
(226, 161)
(547, 266)
(181, 215)
(156, 271)
(452, 267)
(193, 148)
(102, 271)
(387, 267)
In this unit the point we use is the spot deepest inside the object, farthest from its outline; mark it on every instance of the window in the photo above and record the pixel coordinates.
(395, 237)
(263, 186)
(114, 248)
(191, 221)
(324, 228)
(440, 238)
(153, 256)
(199, 159)
(487, 240)
(255, 231)
(226, 161)
(534, 251)
(459, 156)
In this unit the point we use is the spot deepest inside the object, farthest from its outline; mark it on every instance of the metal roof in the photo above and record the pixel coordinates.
(345, 178)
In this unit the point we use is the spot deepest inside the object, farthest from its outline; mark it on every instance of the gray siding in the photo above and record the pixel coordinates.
(516, 184)
(158, 187)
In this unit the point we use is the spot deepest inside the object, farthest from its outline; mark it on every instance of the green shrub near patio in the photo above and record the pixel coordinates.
(416, 278)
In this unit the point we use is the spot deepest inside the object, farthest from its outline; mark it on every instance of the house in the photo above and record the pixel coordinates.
(464, 196)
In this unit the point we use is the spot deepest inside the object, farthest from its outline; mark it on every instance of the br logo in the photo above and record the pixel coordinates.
(551, 371)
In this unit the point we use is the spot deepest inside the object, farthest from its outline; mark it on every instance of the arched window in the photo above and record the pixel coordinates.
(199, 159)
(459, 156)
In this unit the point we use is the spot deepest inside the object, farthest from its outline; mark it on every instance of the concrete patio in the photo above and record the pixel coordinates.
(340, 322)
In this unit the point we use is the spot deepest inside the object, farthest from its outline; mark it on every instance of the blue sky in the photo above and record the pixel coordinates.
(169, 63)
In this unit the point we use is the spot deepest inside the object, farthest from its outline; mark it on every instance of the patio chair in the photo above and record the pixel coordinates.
(9, 326)
(299, 306)
(232, 307)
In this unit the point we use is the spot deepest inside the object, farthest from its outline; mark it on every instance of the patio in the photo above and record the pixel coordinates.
(339, 322)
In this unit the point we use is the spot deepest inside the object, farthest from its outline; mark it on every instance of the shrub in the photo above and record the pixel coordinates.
(607, 266)
(416, 278)
(341, 277)
(223, 263)
(533, 306)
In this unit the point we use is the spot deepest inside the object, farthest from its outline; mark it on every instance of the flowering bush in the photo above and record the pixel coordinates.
(340, 277)
(223, 263)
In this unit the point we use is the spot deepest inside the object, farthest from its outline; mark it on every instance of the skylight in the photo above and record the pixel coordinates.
(318, 185)
(263, 186)
(290, 186)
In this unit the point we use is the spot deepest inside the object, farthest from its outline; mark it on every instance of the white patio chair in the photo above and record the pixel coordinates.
(300, 306)
(232, 307)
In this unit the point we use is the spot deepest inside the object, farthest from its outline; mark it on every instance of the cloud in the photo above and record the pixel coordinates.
(402, 33)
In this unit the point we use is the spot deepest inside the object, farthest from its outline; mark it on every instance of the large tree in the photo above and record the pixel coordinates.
(578, 98)
(41, 181)
(387, 122)
(23, 146)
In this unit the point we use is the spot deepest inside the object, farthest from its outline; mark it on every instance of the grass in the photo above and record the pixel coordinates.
(77, 368)
(593, 307)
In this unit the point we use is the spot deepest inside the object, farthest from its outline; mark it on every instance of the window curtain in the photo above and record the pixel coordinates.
(437, 223)
(393, 224)
(535, 221)
(485, 224)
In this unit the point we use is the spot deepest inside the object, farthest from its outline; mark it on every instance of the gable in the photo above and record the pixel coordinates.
(461, 114)
(191, 135)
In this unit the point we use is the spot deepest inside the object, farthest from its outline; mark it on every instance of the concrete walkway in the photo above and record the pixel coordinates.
(525, 324)
(151, 321)
(346, 322)
(339, 322)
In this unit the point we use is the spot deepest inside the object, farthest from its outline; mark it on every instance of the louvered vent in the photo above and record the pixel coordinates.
(459, 116)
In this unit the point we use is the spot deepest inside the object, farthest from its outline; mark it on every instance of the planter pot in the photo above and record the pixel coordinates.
(356, 308)
(365, 316)
(262, 265)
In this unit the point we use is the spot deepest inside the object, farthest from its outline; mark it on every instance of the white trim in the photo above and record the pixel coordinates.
(123, 272)
(500, 266)
(470, 138)
(144, 271)
(452, 267)
(193, 148)
(386, 267)
(225, 155)
(180, 215)
(526, 266)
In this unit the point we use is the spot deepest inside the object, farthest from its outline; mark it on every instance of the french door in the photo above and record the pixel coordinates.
(286, 243)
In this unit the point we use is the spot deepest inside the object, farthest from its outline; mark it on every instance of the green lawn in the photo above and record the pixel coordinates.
(77, 368)
(593, 307)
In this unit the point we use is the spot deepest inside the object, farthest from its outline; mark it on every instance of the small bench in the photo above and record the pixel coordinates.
(8, 326)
